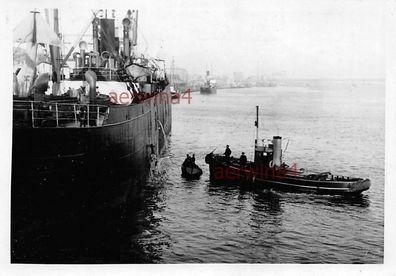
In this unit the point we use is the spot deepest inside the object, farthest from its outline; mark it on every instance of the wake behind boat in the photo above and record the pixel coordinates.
(268, 171)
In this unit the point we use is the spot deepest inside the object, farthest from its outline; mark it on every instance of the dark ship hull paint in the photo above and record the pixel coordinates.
(43, 158)
(75, 189)
(282, 179)
(208, 90)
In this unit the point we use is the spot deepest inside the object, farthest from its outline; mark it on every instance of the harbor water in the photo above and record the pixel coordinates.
(326, 126)
(331, 126)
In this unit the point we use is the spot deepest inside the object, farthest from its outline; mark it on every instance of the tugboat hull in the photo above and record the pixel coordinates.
(282, 179)
(268, 171)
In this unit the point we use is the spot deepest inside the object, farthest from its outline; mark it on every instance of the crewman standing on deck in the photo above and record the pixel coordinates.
(82, 116)
(243, 159)
(227, 152)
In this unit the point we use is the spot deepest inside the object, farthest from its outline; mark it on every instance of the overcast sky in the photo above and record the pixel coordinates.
(304, 39)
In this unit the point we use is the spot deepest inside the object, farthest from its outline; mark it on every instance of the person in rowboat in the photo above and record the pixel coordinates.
(187, 161)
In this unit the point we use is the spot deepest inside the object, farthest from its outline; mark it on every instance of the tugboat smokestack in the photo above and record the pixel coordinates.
(277, 157)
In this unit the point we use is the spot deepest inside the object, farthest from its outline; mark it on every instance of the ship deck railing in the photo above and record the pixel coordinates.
(38, 114)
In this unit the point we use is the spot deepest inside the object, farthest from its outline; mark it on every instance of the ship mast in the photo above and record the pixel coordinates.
(130, 33)
(135, 32)
(55, 58)
(34, 44)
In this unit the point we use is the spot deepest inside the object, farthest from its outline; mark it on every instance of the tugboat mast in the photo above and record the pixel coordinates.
(258, 152)
(256, 123)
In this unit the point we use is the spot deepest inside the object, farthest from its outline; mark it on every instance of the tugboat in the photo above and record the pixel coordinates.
(268, 171)
(209, 86)
(190, 170)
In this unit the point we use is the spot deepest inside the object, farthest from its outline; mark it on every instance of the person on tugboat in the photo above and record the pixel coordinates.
(243, 159)
(227, 153)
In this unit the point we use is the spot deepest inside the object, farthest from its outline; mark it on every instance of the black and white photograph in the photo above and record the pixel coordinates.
(198, 132)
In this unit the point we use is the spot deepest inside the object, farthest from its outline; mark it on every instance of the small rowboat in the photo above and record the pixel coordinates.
(191, 171)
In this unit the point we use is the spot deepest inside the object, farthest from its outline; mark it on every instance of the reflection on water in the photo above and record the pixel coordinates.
(86, 232)
(361, 200)
(210, 222)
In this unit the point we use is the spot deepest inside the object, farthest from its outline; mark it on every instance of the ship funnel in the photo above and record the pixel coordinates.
(90, 77)
(277, 155)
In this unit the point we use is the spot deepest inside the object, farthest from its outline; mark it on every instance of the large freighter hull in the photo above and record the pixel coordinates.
(45, 157)
(72, 187)
(79, 154)
(208, 90)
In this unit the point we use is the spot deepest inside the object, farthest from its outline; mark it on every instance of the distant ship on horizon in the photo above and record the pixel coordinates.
(209, 86)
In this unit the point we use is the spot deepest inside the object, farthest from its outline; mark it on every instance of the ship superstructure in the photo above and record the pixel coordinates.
(108, 113)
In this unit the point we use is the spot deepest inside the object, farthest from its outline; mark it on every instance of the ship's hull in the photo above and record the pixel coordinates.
(208, 90)
(68, 184)
(43, 158)
(282, 179)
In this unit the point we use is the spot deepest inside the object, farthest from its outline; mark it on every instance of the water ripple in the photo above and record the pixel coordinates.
(202, 222)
